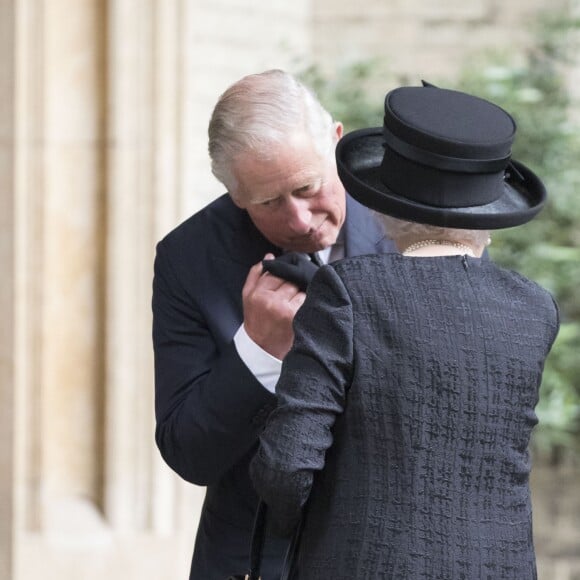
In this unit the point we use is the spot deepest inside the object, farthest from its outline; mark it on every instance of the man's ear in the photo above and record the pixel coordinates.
(338, 130)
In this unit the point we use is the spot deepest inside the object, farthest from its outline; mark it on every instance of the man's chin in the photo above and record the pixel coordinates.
(324, 242)
(312, 245)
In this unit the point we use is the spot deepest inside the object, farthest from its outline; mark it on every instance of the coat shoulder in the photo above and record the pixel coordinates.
(216, 218)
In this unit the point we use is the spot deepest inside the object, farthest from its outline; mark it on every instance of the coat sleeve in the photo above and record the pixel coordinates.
(311, 394)
(209, 408)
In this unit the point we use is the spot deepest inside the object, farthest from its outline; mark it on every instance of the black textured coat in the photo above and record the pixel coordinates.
(405, 412)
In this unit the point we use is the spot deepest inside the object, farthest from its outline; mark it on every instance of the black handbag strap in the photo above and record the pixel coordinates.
(290, 561)
(257, 546)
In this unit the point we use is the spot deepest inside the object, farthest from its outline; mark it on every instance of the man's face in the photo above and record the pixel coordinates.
(295, 197)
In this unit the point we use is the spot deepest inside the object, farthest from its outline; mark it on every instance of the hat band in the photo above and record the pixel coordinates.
(438, 188)
(443, 162)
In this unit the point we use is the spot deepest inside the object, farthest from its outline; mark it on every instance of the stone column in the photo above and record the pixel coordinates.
(129, 182)
(71, 277)
(58, 303)
(7, 294)
(143, 162)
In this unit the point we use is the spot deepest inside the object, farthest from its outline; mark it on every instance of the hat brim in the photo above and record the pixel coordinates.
(359, 155)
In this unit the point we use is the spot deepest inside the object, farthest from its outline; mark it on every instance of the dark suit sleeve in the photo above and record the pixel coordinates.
(209, 407)
(311, 393)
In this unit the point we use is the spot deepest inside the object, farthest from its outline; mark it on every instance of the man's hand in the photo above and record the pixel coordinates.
(270, 304)
(294, 267)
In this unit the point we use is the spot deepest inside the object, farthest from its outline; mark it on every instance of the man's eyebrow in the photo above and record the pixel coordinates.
(263, 200)
(310, 182)
(302, 188)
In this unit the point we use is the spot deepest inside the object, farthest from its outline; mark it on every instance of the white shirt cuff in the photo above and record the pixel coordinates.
(262, 365)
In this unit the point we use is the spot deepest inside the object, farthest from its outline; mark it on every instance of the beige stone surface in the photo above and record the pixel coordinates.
(110, 129)
(104, 106)
(556, 503)
(71, 253)
(7, 369)
(7, 290)
(418, 38)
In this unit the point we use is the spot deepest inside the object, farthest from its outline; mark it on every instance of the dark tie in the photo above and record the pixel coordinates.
(315, 259)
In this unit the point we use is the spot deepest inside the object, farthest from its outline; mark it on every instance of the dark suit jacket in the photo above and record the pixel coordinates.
(405, 411)
(209, 408)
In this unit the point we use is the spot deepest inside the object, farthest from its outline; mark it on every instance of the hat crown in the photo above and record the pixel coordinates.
(449, 123)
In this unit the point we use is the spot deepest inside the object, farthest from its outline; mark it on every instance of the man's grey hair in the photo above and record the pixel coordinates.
(397, 229)
(260, 111)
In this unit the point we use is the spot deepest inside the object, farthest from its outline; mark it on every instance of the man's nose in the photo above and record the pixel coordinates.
(299, 215)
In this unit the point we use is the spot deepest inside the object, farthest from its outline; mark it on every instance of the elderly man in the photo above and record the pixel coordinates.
(221, 323)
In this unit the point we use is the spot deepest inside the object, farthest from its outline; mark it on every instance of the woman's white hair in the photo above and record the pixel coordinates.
(397, 229)
(262, 110)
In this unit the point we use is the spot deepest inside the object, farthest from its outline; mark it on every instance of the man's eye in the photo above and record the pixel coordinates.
(306, 191)
(310, 190)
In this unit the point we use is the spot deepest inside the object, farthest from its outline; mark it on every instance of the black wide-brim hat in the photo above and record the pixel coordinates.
(442, 158)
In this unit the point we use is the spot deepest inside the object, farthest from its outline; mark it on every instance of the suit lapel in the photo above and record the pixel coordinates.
(241, 246)
(242, 242)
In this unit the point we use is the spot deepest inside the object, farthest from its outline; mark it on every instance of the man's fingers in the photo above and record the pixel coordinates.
(282, 288)
(269, 290)
(254, 275)
(298, 300)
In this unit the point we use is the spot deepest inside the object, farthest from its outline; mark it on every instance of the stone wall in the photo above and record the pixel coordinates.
(420, 38)
(7, 294)
(556, 502)
(103, 114)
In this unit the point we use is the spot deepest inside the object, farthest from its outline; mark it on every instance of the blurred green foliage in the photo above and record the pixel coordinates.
(530, 85)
